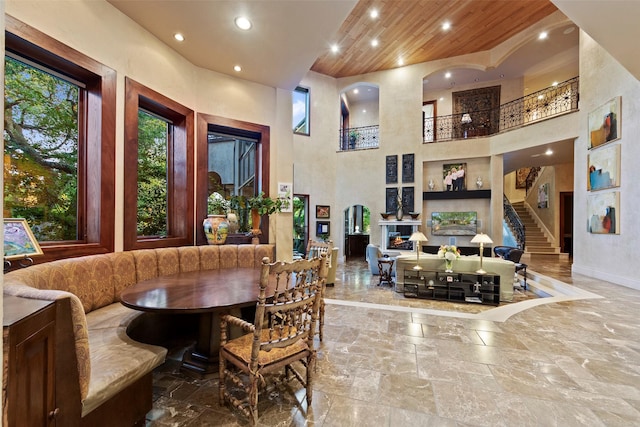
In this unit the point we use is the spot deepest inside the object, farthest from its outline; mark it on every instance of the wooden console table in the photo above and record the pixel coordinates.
(467, 287)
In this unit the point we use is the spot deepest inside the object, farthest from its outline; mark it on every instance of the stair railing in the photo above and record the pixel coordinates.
(531, 178)
(515, 223)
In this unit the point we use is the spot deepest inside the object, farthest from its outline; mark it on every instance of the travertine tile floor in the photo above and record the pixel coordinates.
(569, 363)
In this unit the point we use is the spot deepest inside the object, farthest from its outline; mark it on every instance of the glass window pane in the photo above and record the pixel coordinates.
(301, 111)
(153, 137)
(41, 151)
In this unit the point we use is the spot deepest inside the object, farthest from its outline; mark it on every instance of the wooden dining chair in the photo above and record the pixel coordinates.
(282, 333)
(315, 249)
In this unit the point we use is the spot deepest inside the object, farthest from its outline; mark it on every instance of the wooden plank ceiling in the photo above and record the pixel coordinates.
(411, 29)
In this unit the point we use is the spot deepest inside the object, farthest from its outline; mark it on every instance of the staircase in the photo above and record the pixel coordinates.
(536, 241)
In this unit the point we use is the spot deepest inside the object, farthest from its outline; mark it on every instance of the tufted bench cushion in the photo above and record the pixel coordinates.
(107, 359)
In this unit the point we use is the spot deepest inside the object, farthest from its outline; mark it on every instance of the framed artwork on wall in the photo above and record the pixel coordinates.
(543, 196)
(407, 199)
(392, 200)
(323, 211)
(323, 228)
(603, 212)
(521, 177)
(19, 241)
(454, 176)
(392, 169)
(408, 167)
(603, 168)
(285, 193)
(605, 123)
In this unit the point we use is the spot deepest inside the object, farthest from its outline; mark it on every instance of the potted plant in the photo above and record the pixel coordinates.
(262, 205)
(353, 137)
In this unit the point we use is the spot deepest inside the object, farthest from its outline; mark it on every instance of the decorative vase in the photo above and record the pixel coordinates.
(216, 229)
(448, 265)
(232, 219)
(432, 185)
(399, 214)
(256, 218)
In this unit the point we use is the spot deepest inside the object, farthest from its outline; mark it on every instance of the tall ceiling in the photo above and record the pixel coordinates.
(412, 31)
(290, 37)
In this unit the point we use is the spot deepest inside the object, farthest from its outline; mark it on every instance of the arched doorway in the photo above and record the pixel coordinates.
(357, 227)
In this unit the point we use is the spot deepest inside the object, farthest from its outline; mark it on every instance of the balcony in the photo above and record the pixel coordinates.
(359, 138)
(538, 106)
(544, 104)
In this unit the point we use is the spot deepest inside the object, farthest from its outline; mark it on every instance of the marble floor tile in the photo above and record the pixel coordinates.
(387, 360)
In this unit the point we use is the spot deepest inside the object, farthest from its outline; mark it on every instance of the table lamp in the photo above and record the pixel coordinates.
(418, 237)
(482, 239)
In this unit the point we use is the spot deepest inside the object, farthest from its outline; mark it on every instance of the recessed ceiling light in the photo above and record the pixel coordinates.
(569, 30)
(243, 23)
(548, 152)
(502, 76)
(441, 98)
(446, 25)
(447, 75)
(334, 48)
(374, 42)
(373, 13)
(364, 111)
(356, 91)
(179, 37)
(400, 61)
(543, 35)
(237, 68)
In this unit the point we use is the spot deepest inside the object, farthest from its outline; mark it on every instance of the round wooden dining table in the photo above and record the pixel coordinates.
(207, 293)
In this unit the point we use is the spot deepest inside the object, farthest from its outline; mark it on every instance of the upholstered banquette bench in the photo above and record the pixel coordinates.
(109, 383)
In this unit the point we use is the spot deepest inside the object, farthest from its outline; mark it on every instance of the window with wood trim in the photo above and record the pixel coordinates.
(59, 125)
(158, 176)
(300, 100)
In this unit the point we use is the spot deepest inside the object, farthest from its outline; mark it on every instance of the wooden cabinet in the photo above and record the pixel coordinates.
(461, 287)
(29, 362)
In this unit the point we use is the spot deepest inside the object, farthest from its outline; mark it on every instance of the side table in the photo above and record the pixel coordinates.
(385, 265)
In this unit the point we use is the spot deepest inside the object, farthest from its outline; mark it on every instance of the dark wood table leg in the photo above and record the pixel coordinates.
(202, 358)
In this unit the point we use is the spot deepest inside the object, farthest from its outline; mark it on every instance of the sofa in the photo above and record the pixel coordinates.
(111, 374)
(505, 269)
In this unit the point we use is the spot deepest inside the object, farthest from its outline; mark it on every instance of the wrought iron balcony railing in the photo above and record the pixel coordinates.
(359, 138)
(543, 104)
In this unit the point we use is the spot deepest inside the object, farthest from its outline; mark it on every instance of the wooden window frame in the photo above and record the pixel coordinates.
(179, 167)
(96, 143)
(260, 133)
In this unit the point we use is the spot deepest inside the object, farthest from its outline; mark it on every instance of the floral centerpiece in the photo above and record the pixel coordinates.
(449, 253)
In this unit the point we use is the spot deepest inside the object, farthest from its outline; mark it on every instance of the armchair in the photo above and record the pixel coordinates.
(513, 254)
(282, 333)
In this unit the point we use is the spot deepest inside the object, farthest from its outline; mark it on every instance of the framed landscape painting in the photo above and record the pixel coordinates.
(605, 123)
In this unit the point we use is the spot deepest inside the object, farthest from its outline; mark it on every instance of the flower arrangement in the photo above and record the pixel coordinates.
(449, 252)
(217, 205)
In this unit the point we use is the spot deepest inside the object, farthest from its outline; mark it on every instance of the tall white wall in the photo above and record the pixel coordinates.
(604, 256)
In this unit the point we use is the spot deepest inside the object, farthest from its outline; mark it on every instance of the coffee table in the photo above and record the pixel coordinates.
(207, 293)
